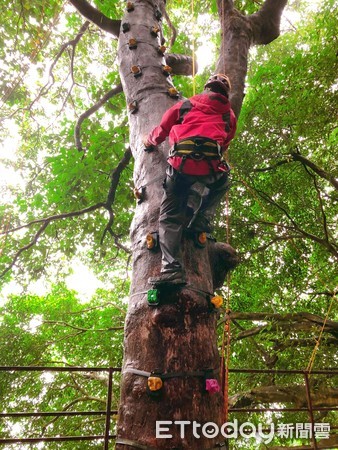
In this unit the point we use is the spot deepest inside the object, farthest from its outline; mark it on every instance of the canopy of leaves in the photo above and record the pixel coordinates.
(283, 201)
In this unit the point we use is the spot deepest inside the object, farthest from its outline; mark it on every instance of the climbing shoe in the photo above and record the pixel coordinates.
(168, 278)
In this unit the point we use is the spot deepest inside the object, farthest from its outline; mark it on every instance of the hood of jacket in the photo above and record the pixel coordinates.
(211, 103)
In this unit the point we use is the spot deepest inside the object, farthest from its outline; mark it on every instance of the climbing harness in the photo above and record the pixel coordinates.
(198, 149)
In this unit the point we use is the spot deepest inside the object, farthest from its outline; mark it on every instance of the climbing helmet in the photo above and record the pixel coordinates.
(220, 80)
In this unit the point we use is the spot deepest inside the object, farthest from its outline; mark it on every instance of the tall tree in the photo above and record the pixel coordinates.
(188, 315)
(151, 342)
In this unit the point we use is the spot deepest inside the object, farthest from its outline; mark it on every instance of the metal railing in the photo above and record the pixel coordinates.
(107, 437)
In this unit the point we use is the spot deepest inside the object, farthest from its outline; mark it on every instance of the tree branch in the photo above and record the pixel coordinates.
(223, 258)
(56, 217)
(302, 321)
(69, 325)
(45, 222)
(180, 64)
(318, 170)
(97, 17)
(327, 397)
(91, 111)
(332, 443)
(328, 245)
(115, 178)
(266, 22)
(171, 27)
(26, 247)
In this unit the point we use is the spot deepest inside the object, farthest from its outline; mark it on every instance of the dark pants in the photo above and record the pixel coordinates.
(177, 188)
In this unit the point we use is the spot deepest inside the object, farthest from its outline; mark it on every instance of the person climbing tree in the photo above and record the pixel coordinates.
(200, 130)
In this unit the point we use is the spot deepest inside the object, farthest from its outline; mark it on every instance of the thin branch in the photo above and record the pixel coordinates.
(321, 205)
(91, 111)
(46, 88)
(297, 228)
(273, 241)
(266, 169)
(57, 217)
(172, 28)
(302, 321)
(45, 222)
(97, 17)
(115, 179)
(26, 247)
(318, 170)
(96, 330)
(68, 406)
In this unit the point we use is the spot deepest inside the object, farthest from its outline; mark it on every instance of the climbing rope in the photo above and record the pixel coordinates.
(193, 48)
(314, 352)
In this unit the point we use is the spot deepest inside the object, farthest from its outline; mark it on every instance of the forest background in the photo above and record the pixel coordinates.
(283, 205)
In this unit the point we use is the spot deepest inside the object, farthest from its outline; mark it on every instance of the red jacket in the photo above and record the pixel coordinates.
(205, 119)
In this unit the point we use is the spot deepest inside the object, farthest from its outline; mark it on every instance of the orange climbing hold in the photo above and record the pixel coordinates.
(217, 301)
(155, 384)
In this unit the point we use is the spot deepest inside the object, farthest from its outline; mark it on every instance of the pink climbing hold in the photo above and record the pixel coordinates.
(212, 386)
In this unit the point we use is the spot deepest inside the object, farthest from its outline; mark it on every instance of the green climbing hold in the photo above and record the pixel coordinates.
(153, 297)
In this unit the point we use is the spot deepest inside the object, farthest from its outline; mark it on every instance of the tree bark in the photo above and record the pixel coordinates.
(178, 336)
(239, 33)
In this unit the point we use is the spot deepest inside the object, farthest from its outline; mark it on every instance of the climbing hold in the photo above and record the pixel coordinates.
(139, 194)
(212, 386)
(132, 43)
(155, 383)
(130, 6)
(161, 49)
(173, 92)
(152, 241)
(133, 107)
(201, 239)
(125, 27)
(167, 70)
(217, 301)
(155, 30)
(158, 14)
(136, 71)
(153, 297)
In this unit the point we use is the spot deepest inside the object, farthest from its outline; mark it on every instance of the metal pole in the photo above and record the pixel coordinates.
(309, 402)
(108, 412)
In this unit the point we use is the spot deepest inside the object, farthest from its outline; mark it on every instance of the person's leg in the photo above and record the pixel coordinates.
(171, 221)
(217, 188)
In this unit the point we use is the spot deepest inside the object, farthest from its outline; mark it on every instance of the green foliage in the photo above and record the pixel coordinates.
(59, 330)
(282, 213)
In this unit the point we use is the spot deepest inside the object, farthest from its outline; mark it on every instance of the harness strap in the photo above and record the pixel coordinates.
(166, 376)
(188, 287)
(144, 447)
(198, 149)
(184, 109)
(133, 444)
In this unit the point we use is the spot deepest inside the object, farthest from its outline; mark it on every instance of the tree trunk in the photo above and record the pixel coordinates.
(178, 336)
